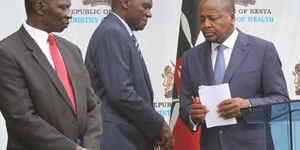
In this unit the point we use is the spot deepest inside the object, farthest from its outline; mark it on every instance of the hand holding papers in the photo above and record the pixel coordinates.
(211, 96)
(197, 111)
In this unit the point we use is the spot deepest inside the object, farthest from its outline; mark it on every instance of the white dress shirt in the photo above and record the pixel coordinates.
(229, 43)
(41, 38)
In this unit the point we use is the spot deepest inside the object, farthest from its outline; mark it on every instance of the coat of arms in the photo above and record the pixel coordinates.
(97, 2)
(168, 76)
(297, 79)
(245, 2)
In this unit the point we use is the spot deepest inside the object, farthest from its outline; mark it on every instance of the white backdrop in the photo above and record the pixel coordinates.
(158, 41)
(276, 20)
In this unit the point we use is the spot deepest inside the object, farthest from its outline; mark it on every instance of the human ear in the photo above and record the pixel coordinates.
(232, 16)
(40, 7)
(125, 4)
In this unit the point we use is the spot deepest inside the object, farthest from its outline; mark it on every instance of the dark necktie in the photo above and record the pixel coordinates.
(147, 79)
(137, 45)
(61, 70)
(219, 70)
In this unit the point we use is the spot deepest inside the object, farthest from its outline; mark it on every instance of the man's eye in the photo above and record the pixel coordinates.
(64, 7)
(147, 7)
(213, 18)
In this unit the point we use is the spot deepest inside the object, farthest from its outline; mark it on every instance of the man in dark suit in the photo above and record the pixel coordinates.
(251, 67)
(119, 77)
(45, 93)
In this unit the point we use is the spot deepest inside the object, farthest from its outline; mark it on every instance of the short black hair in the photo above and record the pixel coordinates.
(29, 6)
(114, 3)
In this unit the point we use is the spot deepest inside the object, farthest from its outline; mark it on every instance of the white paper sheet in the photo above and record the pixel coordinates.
(211, 96)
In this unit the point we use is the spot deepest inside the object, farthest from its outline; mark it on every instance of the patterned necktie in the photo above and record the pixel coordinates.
(61, 70)
(220, 65)
(137, 45)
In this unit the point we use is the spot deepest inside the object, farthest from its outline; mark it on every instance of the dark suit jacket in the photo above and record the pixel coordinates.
(36, 107)
(120, 79)
(254, 72)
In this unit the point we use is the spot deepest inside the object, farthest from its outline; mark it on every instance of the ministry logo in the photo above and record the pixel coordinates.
(245, 2)
(97, 2)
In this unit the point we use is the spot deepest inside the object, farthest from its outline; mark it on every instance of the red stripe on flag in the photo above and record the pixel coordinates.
(184, 139)
(177, 74)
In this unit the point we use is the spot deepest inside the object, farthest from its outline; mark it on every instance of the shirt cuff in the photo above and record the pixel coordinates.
(250, 105)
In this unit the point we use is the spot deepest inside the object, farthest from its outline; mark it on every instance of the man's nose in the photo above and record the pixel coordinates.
(149, 14)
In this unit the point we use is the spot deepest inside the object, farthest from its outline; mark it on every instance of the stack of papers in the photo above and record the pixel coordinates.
(211, 96)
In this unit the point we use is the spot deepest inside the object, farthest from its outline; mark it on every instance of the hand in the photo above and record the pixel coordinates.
(165, 139)
(80, 148)
(231, 107)
(197, 111)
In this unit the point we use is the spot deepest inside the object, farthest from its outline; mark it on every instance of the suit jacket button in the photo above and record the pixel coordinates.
(221, 132)
(75, 122)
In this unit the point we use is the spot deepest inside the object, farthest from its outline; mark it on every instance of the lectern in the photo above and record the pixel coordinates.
(282, 122)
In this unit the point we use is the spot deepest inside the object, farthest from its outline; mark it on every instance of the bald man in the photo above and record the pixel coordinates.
(120, 78)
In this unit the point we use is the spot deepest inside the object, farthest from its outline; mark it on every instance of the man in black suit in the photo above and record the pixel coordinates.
(45, 93)
(119, 77)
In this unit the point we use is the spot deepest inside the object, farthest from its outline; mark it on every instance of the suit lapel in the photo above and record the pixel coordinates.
(145, 72)
(238, 55)
(44, 63)
(147, 78)
(205, 57)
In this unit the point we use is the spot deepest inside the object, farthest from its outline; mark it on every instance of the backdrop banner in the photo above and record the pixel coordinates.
(158, 40)
(274, 20)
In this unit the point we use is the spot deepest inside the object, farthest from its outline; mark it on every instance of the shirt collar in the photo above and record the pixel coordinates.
(130, 32)
(229, 42)
(36, 34)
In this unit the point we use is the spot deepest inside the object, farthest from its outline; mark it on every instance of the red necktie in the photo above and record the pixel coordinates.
(61, 70)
